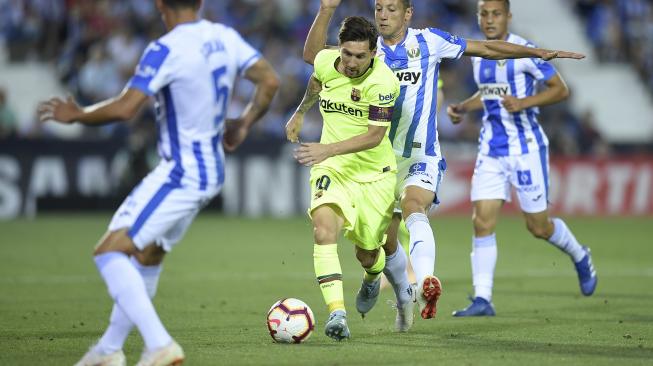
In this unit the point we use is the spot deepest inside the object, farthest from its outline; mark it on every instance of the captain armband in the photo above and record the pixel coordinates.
(380, 114)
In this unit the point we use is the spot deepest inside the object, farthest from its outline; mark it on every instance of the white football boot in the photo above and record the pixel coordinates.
(95, 358)
(170, 355)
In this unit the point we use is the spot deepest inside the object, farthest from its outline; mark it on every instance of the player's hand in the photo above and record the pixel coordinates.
(234, 135)
(59, 110)
(312, 153)
(294, 127)
(455, 112)
(512, 104)
(550, 55)
(329, 4)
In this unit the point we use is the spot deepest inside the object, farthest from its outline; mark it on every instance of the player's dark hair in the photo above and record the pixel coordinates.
(506, 2)
(407, 3)
(178, 4)
(358, 29)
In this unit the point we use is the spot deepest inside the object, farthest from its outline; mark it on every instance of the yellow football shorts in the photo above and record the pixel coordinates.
(366, 207)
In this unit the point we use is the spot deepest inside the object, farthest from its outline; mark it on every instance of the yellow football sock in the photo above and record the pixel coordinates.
(404, 237)
(373, 273)
(329, 275)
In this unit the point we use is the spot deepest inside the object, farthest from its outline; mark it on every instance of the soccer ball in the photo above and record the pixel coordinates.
(290, 321)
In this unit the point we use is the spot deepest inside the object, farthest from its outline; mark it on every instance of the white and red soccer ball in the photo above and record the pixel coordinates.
(290, 321)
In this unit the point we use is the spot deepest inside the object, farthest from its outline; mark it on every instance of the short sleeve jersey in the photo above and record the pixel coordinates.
(416, 63)
(506, 133)
(190, 72)
(348, 106)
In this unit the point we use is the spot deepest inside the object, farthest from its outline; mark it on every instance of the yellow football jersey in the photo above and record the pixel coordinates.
(348, 106)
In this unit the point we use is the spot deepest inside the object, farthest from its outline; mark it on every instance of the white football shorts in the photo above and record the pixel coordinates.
(160, 210)
(422, 171)
(527, 173)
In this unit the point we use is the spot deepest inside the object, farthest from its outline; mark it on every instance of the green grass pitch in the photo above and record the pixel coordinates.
(218, 284)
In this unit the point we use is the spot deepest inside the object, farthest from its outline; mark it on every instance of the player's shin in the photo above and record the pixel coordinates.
(565, 240)
(329, 275)
(395, 272)
(484, 259)
(127, 288)
(374, 272)
(422, 245)
(120, 326)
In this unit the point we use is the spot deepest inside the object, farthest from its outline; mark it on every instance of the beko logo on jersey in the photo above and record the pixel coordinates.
(334, 107)
(386, 97)
(411, 77)
(494, 91)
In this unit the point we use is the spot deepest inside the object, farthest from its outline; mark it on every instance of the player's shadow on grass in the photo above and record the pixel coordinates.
(575, 295)
(571, 350)
(473, 343)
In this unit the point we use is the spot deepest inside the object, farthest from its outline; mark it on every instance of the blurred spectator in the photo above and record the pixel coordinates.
(8, 122)
(125, 49)
(99, 77)
(97, 43)
(621, 30)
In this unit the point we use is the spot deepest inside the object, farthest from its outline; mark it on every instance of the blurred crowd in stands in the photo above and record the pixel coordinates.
(621, 31)
(94, 46)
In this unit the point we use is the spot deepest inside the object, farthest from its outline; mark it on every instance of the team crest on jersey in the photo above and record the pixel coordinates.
(414, 52)
(355, 94)
(502, 63)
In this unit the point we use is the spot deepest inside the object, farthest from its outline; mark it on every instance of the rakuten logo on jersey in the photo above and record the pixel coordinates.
(335, 107)
(407, 77)
(494, 91)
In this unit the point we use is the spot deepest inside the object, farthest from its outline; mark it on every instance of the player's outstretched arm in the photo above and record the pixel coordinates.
(122, 107)
(316, 39)
(294, 125)
(500, 50)
(555, 92)
(457, 112)
(266, 83)
(313, 153)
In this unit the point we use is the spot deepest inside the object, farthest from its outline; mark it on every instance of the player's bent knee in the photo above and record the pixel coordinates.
(483, 226)
(412, 205)
(116, 241)
(152, 255)
(366, 258)
(324, 235)
(538, 231)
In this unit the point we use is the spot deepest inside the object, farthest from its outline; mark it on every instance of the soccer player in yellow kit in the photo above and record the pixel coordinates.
(353, 170)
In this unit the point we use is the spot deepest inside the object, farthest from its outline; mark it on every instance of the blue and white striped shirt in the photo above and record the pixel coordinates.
(506, 133)
(416, 62)
(191, 72)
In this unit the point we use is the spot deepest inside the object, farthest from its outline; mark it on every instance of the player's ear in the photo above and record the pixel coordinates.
(409, 14)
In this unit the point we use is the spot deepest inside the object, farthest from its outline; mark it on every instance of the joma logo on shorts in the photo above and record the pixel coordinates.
(333, 107)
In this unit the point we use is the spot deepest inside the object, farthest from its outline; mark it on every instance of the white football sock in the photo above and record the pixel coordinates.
(422, 245)
(120, 326)
(484, 259)
(127, 288)
(566, 241)
(395, 272)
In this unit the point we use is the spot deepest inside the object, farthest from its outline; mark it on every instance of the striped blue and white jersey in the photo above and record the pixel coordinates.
(190, 71)
(504, 133)
(416, 62)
